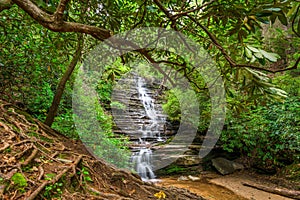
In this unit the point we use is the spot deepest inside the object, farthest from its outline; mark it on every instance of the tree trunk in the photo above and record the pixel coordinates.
(62, 84)
(282, 192)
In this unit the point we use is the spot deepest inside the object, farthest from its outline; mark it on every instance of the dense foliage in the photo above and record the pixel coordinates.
(249, 41)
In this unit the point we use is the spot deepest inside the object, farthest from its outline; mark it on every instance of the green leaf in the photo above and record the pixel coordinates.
(273, 9)
(19, 180)
(270, 56)
(258, 55)
(263, 20)
(248, 53)
(282, 18)
(263, 14)
(253, 49)
(262, 61)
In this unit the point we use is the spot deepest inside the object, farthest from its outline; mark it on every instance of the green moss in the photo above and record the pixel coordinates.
(172, 169)
(34, 134)
(19, 180)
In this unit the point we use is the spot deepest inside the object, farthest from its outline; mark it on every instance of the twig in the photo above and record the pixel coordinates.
(229, 59)
(192, 10)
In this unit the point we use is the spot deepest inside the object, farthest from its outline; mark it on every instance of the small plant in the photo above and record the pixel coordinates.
(19, 182)
(86, 175)
(174, 169)
(117, 105)
(54, 190)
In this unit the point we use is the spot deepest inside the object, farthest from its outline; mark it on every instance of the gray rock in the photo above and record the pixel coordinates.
(225, 166)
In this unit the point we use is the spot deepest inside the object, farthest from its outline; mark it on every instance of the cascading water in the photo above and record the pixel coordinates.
(150, 130)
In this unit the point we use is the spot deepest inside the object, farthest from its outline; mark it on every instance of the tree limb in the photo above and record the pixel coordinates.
(60, 10)
(229, 59)
(56, 23)
(213, 38)
(192, 10)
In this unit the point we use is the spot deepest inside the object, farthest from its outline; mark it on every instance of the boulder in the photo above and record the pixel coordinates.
(225, 166)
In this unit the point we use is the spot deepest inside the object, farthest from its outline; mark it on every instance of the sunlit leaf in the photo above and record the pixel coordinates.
(248, 53)
(273, 9)
(258, 55)
(253, 49)
(270, 56)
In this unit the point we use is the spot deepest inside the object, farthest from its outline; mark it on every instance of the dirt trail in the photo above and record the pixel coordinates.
(235, 182)
(217, 187)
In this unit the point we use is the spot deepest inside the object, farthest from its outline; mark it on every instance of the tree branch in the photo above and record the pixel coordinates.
(293, 22)
(59, 13)
(232, 63)
(53, 23)
(162, 8)
(229, 59)
(192, 10)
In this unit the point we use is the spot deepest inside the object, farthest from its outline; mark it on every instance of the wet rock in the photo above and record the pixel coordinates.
(225, 166)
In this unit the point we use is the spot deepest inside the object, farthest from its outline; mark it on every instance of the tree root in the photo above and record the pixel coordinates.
(43, 158)
(31, 157)
(5, 146)
(45, 183)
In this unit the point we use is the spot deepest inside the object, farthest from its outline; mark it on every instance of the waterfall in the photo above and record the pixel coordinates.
(151, 129)
(142, 163)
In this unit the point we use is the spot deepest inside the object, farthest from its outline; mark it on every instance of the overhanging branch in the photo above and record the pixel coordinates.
(213, 38)
(55, 22)
(59, 13)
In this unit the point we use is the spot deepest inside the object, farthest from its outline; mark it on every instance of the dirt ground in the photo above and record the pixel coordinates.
(203, 188)
(212, 186)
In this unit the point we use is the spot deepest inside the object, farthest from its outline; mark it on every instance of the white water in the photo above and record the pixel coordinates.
(151, 129)
(142, 161)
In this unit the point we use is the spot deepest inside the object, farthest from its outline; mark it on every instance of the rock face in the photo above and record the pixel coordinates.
(134, 120)
(225, 166)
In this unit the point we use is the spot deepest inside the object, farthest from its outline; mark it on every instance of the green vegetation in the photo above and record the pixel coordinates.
(254, 43)
(19, 182)
(268, 134)
(174, 170)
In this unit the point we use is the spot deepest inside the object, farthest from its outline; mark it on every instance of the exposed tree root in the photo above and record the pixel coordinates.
(49, 165)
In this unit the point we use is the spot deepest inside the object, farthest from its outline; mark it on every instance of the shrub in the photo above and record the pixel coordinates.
(269, 135)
